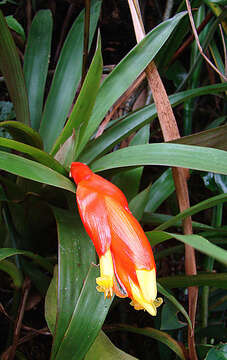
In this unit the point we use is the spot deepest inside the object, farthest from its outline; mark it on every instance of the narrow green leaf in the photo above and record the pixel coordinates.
(84, 325)
(74, 258)
(83, 107)
(126, 72)
(210, 138)
(206, 204)
(160, 190)
(36, 61)
(15, 26)
(12, 270)
(7, 252)
(192, 157)
(103, 348)
(139, 202)
(159, 219)
(51, 302)
(11, 69)
(66, 154)
(154, 334)
(196, 241)
(183, 281)
(169, 317)
(218, 352)
(139, 118)
(174, 301)
(129, 180)
(66, 78)
(34, 171)
(23, 133)
(36, 154)
(81, 309)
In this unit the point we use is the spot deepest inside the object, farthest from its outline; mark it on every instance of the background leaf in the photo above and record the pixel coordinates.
(192, 157)
(155, 334)
(126, 72)
(36, 61)
(103, 348)
(138, 119)
(75, 331)
(66, 78)
(34, 171)
(82, 109)
(12, 72)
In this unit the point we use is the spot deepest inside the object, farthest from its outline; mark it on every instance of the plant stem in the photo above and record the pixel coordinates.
(171, 132)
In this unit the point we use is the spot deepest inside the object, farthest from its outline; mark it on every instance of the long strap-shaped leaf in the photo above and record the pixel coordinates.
(187, 156)
(12, 71)
(196, 241)
(34, 171)
(36, 154)
(81, 309)
(83, 107)
(36, 61)
(126, 72)
(66, 78)
(138, 119)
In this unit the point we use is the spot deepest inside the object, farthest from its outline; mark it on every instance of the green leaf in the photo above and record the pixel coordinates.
(34, 171)
(139, 202)
(38, 155)
(126, 72)
(36, 61)
(174, 301)
(23, 133)
(12, 270)
(192, 157)
(81, 309)
(159, 219)
(15, 26)
(11, 69)
(196, 241)
(206, 204)
(209, 138)
(169, 318)
(160, 190)
(82, 109)
(103, 348)
(219, 2)
(7, 252)
(129, 180)
(215, 182)
(154, 334)
(66, 154)
(51, 302)
(66, 78)
(139, 118)
(184, 281)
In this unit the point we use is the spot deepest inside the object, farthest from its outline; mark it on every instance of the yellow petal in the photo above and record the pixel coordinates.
(105, 281)
(147, 283)
(139, 302)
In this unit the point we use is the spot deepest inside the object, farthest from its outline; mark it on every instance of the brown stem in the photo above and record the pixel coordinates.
(18, 324)
(119, 102)
(171, 132)
(191, 38)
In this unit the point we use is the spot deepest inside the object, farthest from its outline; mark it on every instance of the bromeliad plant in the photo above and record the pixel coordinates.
(52, 129)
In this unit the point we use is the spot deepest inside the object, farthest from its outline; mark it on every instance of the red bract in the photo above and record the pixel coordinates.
(127, 266)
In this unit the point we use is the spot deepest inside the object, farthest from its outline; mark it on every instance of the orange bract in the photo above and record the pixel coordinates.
(127, 264)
